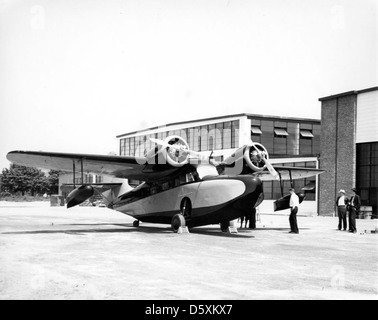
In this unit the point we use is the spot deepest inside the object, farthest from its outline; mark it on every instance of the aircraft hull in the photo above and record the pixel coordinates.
(214, 200)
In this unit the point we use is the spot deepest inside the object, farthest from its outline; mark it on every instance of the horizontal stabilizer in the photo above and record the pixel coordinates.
(284, 202)
(289, 173)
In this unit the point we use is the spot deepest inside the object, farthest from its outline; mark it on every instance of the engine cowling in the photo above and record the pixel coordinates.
(255, 159)
(248, 159)
(176, 151)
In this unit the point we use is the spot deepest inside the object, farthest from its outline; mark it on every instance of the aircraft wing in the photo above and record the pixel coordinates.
(289, 173)
(116, 166)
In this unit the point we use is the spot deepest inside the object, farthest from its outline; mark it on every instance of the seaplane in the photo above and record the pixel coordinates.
(179, 186)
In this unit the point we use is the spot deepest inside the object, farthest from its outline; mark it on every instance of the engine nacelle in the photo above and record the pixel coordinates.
(245, 160)
(174, 150)
(255, 159)
(176, 153)
(79, 195)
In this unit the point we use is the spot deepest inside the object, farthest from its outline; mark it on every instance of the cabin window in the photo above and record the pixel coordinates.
(165, 186)
(190, 178)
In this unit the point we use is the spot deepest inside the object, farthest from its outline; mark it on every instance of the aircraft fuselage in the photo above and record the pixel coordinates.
(211, 200)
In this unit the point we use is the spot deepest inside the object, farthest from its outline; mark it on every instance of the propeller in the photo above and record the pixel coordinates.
(181, 149)
(262, 155)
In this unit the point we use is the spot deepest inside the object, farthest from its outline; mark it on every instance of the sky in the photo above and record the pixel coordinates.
(74, 74)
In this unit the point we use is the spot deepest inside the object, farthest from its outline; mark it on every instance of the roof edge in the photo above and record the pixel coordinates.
(348, 93)
(216, 118)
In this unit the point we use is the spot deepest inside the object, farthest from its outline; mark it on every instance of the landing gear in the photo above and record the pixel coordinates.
(186, 207)
(136, 223)
(228, 226)
(178, 221)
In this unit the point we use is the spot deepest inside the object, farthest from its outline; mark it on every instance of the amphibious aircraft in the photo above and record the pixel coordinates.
(180, 186)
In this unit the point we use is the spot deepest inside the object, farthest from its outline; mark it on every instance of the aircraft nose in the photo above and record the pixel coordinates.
(253, 194)
(253, 184)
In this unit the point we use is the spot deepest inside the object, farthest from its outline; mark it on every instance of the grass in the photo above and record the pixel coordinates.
(25, 198)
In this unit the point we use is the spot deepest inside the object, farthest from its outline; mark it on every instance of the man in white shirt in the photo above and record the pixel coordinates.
(294, 205)
(341, 210)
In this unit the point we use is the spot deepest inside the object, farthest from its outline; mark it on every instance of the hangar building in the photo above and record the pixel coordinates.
(349, 148)
(295, 141)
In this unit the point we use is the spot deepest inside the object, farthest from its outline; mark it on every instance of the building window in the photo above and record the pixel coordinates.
(219, 136)
(88, 178)
(267, 134)
(306, 134)
(212, 136)
(127, 147)
(191, 138)
(211, 143)
(293, 138)
(204, 138)
(280, 141)
(227, 132)
(280, 133)
(256, 131)
(235, 134)
(196, 139)
(132, 146)
(367, 174)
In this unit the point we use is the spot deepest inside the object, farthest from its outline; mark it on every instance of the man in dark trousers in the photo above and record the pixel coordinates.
(252, 218)
(294, 205)
(354, 207)
(341, 202)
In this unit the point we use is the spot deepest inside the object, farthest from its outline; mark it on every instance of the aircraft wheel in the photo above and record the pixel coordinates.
(224, 225)
(136, 223)
(178, 221)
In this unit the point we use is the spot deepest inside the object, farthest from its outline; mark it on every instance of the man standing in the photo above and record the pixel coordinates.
(294, 205)
(252, 218)
(354, 207)
(341, 209)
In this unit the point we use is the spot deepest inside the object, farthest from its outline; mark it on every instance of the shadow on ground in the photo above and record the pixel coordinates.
(129, 228)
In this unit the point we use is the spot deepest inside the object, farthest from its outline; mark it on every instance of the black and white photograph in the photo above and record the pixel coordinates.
(188, 154)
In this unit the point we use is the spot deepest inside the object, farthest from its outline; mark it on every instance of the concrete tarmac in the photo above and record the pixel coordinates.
(95, 253)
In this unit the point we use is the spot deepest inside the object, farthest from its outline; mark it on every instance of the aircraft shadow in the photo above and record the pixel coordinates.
(128, 228)
(219, 233)
(278, 229)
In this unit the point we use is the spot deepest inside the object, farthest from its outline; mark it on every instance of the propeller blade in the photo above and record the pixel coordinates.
(269, 166)
(192, 153)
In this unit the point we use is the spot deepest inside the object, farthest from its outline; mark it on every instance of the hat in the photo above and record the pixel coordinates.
(342, 191)
(354, 189)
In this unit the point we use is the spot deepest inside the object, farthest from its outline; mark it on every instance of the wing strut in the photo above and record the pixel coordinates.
(281, 184)
(291, 180)
(74, 171)
(82, 172)
(74, 178)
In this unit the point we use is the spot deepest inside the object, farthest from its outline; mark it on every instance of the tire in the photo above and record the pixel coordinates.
(224, 225)
(178, 221)
(136, 223)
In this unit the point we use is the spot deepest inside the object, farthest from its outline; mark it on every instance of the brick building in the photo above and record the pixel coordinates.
(349, 148)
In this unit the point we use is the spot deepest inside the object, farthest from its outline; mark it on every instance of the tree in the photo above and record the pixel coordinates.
(24, 179)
